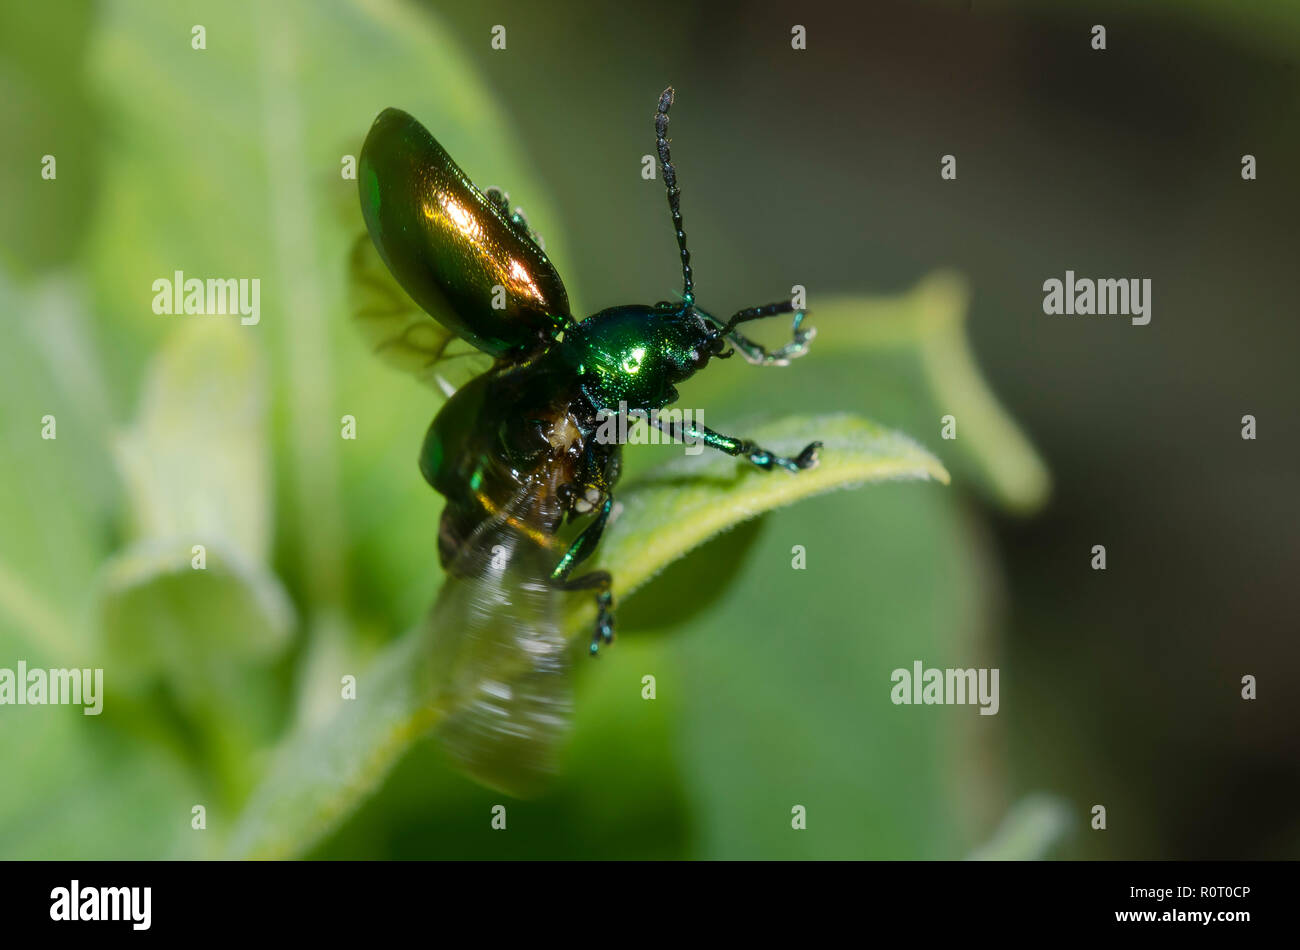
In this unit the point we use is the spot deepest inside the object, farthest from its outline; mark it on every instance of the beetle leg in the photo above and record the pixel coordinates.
(600, 468)
(600, 581)
(501, 201)
(499, 198)
(584, 500)
(737, 447)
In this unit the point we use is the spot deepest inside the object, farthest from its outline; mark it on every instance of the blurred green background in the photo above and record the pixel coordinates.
(818, 167)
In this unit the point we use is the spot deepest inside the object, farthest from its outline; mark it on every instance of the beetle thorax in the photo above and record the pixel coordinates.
(634, 354)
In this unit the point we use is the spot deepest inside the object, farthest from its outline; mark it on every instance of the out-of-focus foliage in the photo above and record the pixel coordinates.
(323, 773)
(223, 685)
(1031, 829)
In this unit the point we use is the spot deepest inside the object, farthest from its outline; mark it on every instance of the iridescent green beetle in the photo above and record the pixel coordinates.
(515, 450)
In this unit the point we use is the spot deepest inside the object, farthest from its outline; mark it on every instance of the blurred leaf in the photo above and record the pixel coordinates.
(325, 770)
(912, 349)
(91, 793)
(45, 110)
(1032, 827)
(88, 789)
(159, 615)
(619, 796)
(56, 496)
(694, 583)
(196, 461)
(932, 318)
(322, 774)
(782, 688)
(195, 465)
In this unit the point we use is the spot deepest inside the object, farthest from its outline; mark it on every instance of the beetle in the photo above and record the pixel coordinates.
(515, 449)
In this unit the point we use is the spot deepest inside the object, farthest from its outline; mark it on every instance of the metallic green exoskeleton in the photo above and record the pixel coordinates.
(515, 450)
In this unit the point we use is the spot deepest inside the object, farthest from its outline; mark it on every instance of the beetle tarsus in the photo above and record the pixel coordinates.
(604, 632)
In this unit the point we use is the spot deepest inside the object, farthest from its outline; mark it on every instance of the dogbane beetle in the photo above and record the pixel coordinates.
(514, 450)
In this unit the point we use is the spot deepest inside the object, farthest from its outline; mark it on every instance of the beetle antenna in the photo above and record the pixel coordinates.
(674, 196)
(756, 313)
(756, 353)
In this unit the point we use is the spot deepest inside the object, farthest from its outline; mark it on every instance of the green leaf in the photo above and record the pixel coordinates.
(704, 494)
(931, 319)
(191, 601)
(57, 486)
(324, 772)
(783, 686)
(159, 615)
(47, 111)
(1032, 827)
(196, 462)
(196, 469)
(906, 360)
(91, 786)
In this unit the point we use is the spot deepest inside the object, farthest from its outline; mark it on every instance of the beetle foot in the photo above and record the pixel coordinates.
(604, 632)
